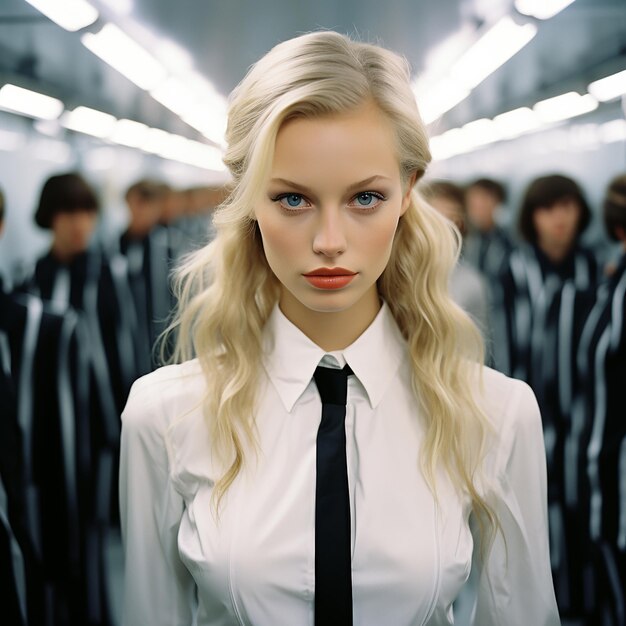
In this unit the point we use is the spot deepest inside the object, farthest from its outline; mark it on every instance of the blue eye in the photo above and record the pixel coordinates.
(291, 201)
(365, 199)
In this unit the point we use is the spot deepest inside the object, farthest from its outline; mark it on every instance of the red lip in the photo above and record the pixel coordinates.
(330, 271)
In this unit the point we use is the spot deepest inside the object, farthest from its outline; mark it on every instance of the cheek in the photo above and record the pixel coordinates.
(380, 236)
(281, 243)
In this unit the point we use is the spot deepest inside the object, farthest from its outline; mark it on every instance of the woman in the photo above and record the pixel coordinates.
(324, 258)
(545, 294)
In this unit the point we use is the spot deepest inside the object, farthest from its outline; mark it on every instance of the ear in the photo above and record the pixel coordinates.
(406, 197)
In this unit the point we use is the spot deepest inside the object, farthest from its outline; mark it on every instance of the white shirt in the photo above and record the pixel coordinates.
(255, 566)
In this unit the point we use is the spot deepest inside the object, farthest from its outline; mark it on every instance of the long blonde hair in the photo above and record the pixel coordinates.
(227, 291)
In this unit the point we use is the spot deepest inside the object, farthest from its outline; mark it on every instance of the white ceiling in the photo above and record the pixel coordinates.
(225, 37)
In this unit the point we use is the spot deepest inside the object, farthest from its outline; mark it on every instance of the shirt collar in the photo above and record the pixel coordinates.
(290, 357)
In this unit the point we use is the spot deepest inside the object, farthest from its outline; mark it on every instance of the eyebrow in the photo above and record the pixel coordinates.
(352, 187)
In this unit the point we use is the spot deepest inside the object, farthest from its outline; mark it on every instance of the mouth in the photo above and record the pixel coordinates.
(330, 278)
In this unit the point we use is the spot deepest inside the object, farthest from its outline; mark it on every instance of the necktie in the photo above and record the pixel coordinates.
(333, 575)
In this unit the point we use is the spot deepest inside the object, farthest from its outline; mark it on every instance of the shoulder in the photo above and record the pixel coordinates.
(512, 410)
(506, 399)
(156, 399)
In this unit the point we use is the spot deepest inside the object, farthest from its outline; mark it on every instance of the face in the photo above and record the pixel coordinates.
(331, 206)
(145, 213)
(481, 207)
(72, 231)
(557, 225)
(450, 209)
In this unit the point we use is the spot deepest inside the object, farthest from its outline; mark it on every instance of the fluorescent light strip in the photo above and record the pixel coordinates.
(29, 103)
(434, 102)
(136, 135)
(609, 87)
(517, 122)
(125, 55)
(492, 50)
(129, 133)
(541, 9)
(89, 121)
(524, 120)
(565, 106)
(69, 14)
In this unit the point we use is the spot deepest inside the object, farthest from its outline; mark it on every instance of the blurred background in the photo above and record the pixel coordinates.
(116, 109)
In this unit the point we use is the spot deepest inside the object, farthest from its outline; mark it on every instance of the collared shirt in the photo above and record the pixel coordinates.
(254, 565)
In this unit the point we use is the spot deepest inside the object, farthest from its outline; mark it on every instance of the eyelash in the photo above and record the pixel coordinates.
(297, 210)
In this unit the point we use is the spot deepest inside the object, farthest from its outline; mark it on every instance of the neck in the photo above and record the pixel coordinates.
(335, 330)
(61, 254)
(555, 252)
(135, 232)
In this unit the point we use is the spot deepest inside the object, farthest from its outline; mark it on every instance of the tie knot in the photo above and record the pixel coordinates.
(332, 384)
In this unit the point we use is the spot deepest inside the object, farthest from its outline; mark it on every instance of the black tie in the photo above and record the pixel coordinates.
(333, 571)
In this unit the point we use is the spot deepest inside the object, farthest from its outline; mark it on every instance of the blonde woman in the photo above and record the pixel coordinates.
(328, 449)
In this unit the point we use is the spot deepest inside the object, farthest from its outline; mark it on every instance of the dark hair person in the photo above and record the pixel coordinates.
(545, 294)
(328, 431)
(487, 244)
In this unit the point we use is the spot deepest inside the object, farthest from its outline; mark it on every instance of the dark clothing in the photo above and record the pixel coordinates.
(149, 266)
(595, 461)
(45, 455)
(488, 251)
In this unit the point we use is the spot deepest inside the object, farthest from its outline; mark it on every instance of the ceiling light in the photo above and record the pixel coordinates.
(29, 103)
(517, 122)
(479, 133)
(69, 14)
(129, 133)
(89, 121)
(491, 51)
(541, 9)
(451, 143)
(615, 130)
(174, 95)
(565, 106)
(122, 7)
(610, 87)
(434, 101)
(124, 54)
(210, 123)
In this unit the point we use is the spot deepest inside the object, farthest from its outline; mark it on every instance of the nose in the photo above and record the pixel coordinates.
(329, 238)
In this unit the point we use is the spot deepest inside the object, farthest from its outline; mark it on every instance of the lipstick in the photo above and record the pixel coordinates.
(330, 278)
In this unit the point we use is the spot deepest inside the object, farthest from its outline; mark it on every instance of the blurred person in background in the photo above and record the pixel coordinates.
(79, 275)
(76, 275)
(545, 294)
(144, 244)
(200, 203)
(47, 463)
(595, 462)
(487, 245)
(467, 287)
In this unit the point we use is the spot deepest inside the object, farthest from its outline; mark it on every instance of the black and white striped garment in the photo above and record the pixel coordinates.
(488, 251)
(47, 458)
(149, 267)
(540, 311)
(596, 444)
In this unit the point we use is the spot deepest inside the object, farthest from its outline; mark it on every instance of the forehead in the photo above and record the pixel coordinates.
(339, 148)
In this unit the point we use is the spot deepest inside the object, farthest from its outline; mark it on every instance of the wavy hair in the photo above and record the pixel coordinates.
(226, 291)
